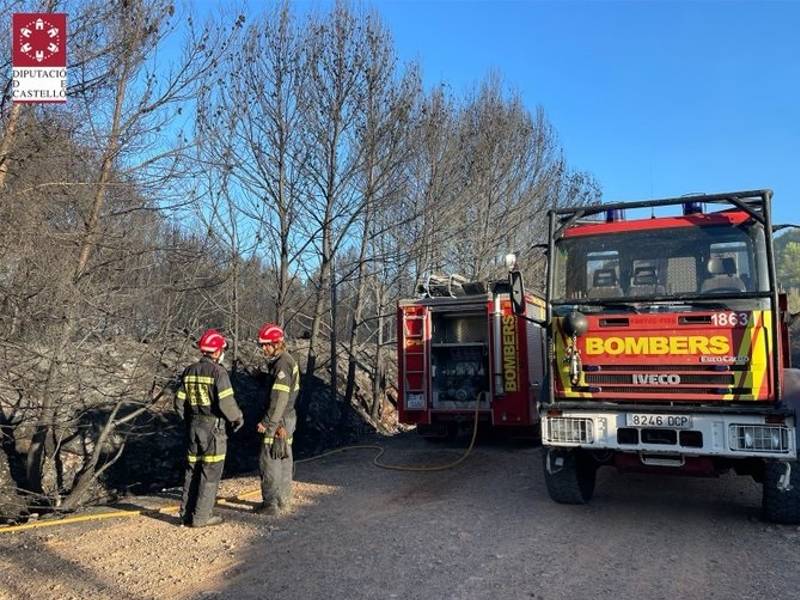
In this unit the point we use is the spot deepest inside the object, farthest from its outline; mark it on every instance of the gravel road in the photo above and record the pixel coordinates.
(486, 529)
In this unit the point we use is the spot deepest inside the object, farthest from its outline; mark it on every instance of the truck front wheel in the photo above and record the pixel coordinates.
(780, 502)
(569, 475)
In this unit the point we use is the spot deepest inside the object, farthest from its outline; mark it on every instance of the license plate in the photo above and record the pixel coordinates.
(666, 421)
(415, 401)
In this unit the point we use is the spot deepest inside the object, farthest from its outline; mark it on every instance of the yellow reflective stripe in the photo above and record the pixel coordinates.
(206, 458)
(269, 440)
(279, 387)
(198, 392)
(226, 393)
(198, 379)
(212, 458)
(296, 369)
(181, 395)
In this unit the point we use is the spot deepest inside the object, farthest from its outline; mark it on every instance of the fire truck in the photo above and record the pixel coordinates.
(668, 347)
(463, 354)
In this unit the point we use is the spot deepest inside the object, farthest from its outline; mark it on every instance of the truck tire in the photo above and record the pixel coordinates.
(569, 475)
(781, 506)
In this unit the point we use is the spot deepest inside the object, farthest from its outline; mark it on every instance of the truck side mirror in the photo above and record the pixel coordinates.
(517, 292)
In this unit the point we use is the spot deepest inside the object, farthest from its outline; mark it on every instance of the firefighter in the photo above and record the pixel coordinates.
(206, 403)
(279, 423)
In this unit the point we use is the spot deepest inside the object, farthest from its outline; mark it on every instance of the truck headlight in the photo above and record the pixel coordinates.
(570, 430)
(759, 438)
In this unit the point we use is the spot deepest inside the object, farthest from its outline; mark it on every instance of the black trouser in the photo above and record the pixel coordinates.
(276, 474)
(207, 441)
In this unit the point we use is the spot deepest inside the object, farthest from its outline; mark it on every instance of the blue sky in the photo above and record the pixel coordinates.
(655, 99)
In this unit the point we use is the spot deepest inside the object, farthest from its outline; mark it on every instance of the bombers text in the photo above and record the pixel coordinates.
(659, 345)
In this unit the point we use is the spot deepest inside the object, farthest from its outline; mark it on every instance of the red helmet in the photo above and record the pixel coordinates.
(211, 341)
(270, 333)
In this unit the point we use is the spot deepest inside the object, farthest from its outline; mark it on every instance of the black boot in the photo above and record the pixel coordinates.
(214, 520)
(271, 509)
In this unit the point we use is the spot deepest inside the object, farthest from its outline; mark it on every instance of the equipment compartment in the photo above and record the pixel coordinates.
(459, 360)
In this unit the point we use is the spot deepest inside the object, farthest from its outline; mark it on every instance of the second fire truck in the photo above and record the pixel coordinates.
(463, 355)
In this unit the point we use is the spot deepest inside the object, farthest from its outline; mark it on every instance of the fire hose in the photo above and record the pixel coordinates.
(223, 501)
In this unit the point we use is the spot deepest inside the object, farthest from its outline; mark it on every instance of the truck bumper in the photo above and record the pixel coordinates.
(707, 434)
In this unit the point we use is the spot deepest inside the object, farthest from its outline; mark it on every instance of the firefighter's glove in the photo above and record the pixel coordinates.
(237, 425)
(280, 444)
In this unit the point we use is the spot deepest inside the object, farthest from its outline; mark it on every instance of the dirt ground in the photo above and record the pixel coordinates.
(486, 529)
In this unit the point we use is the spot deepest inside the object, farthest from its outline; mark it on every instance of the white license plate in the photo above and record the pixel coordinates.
(665, 421)
(415, 401)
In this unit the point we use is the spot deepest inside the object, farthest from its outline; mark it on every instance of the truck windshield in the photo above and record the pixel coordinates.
(667, 263)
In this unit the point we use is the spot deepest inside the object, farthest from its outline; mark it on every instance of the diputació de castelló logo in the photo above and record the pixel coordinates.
(39, 57)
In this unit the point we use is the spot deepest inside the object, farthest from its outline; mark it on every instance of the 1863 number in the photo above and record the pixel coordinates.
(730, 319)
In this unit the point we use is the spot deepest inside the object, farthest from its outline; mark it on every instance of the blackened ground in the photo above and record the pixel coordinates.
(154, 456)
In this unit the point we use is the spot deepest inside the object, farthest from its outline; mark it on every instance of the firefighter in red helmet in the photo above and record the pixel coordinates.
(206, 403)
(278, 425)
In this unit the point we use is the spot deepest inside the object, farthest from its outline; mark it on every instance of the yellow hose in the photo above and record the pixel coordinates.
(411, 468)
(51, 522)
(222, 501)
(376, 460)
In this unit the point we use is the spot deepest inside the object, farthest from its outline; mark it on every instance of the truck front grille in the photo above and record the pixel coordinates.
(655, 389)
(667, 380)
(627, 378)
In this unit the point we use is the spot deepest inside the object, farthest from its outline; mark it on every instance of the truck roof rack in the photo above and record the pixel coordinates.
(751, 201)
(449, 286)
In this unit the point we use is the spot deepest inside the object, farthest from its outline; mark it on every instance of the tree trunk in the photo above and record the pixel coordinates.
(283, 277)
(377, 364)
(327, 254)
(8, 140)
(334, 353)
(235, 278)
(43, 444)
(235, 308)
(283, 217)
(84, 480)
(360, 290)
(319, 305)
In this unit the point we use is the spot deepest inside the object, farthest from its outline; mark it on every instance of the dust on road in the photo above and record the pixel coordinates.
(486, 529)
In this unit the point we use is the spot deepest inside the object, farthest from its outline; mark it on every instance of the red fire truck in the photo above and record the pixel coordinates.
(459, 344)
(669, 347)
